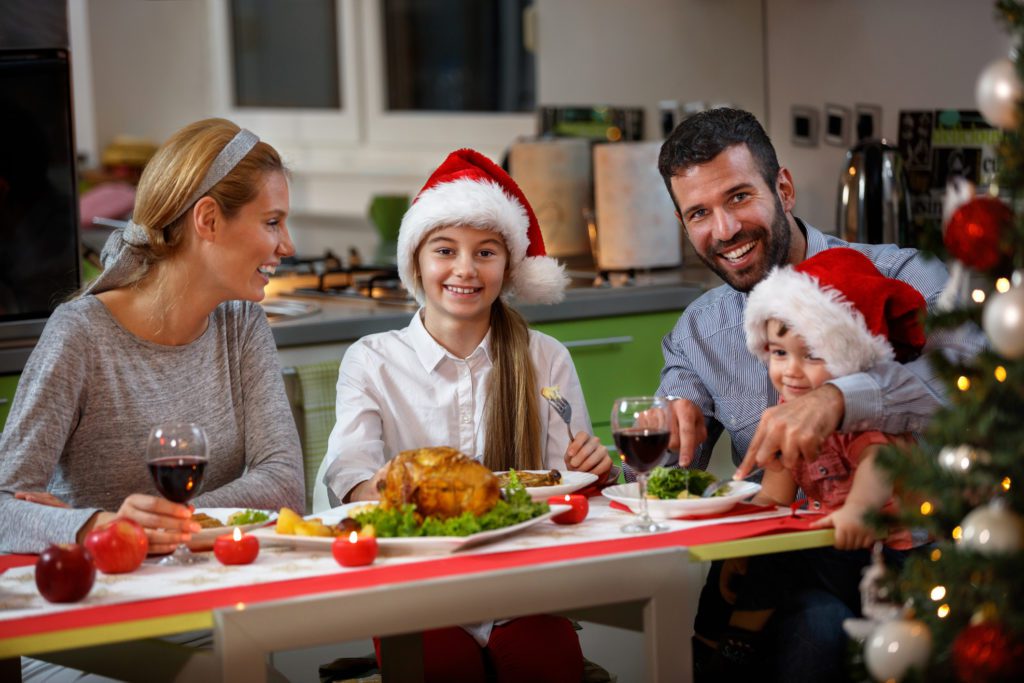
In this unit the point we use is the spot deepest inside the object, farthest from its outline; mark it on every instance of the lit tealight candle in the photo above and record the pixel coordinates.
(238, 548)
(579, 507)
(354, 550)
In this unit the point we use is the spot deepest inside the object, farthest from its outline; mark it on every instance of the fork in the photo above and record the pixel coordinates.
(561, 406)
(710, 490)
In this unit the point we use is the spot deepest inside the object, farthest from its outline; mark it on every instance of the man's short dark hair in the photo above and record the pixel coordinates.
(704, 136)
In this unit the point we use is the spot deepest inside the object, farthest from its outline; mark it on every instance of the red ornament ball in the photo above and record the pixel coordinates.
(985, 652)
(975, 231)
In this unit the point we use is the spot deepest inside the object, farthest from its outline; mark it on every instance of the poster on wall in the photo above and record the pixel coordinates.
(937, 145)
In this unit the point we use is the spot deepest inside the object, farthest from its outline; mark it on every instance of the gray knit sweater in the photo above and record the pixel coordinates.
(90, 393)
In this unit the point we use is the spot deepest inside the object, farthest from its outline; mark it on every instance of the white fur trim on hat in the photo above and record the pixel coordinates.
(833, 329)
(480, 204)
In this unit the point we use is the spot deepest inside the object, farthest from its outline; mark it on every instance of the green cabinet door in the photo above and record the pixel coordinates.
(614, 356)
(8, 383)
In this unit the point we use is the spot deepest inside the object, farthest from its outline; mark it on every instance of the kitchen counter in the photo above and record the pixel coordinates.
(341, 320)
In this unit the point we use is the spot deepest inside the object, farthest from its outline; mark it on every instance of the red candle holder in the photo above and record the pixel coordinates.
(579, 507)
(236, 548)
(354, 550)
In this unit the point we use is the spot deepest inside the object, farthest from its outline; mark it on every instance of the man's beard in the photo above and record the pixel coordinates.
(776, 252)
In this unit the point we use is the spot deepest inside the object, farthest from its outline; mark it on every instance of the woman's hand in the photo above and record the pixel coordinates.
(586, 454)
(167, 524)
(851, 531)
(41, 498)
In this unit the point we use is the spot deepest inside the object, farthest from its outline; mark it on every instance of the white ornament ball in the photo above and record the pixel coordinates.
(992, 529)
(962, 458)
(896, 647)
(1003, 320)
(997, 92)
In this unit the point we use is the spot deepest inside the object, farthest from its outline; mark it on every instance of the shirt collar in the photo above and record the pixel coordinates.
(430, 353)
(816, 242)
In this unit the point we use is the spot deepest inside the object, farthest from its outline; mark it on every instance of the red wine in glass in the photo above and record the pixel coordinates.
(176, 455)
(642, 448)
(178, 477)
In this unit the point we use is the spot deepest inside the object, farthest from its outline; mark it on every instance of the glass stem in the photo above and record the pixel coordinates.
(641, 480)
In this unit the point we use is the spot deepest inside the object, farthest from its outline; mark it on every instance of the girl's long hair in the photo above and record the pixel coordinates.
(511, 418)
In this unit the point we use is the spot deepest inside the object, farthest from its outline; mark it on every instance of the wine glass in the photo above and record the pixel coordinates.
(176, 455)
(640, 425)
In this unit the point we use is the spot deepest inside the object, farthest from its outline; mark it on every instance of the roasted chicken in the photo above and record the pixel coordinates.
(441, 482)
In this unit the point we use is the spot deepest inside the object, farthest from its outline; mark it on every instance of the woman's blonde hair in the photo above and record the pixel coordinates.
(511, 419)
(176, 171)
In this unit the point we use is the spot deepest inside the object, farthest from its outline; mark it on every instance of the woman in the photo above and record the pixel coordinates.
(467, 373)
(169, 331)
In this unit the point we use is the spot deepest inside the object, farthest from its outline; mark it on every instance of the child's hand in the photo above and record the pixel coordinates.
(586, 454)
(851, 532)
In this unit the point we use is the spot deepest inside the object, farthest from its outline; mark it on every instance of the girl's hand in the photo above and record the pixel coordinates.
(851, 532)
(586, 454)
(41, 498)
(367, 490)
(167, 524)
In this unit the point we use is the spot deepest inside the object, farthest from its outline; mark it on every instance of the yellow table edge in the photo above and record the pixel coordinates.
(762, 545)
(104, 634)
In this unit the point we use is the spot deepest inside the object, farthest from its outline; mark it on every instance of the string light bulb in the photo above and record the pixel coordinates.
(938, 593)
(963, 383)
(957, 533)
(926, 508)
(978, 296)
(1002, 285)
(1000, 373)
(936, 555)
(943, 611)
(1005, 483)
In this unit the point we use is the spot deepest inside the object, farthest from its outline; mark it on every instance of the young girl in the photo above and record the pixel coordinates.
(467, 372)
(832, 315)
(170, 330)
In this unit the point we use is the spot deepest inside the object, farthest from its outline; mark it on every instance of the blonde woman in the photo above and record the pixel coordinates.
(467, 372)
(169, 331)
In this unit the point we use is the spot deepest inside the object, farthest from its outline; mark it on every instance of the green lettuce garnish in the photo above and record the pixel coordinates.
(666, 483)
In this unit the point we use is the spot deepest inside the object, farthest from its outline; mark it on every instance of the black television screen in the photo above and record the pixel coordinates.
(39, 255)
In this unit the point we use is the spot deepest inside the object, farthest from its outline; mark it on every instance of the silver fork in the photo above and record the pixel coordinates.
(561, 406)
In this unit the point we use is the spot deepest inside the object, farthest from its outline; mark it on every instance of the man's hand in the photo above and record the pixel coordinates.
(795, 429)
(688, 429)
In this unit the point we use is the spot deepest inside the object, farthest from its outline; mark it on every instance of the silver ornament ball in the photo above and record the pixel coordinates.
(992, 529)
(997, 91)
(896, 647)
(1003, 320)
(962, 458)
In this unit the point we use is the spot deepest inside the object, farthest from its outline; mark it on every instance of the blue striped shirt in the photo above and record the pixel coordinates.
(707, 361)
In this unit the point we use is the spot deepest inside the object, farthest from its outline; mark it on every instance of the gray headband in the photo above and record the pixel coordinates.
(123, 260)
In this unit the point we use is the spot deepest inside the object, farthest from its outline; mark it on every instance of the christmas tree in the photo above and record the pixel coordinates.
(964, 481)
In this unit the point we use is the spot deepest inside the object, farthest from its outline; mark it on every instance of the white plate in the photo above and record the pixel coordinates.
(399, 546)
(571, 481)
(205, 538)
(628, 495)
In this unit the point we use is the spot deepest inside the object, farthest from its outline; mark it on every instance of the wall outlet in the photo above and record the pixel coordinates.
(804, 126)
(837, 125)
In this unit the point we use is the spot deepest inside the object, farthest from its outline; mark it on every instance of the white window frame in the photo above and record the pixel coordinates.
(363, 137)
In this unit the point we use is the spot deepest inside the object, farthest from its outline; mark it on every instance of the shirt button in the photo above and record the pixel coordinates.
(466, 419)
(817, 505)
(822, 470)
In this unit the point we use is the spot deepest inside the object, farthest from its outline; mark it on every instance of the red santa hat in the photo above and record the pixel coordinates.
(469, 189)
(849, 315)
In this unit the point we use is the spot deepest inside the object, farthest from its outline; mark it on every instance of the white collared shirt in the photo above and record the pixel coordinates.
(401, 390)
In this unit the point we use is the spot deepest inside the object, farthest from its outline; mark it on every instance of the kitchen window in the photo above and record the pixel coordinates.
(411, 79)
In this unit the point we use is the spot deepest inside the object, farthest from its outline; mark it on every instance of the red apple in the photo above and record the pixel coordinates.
(64, 573)
(117, 547)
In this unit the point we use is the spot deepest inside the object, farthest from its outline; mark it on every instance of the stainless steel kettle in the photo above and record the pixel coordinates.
(873, 205)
